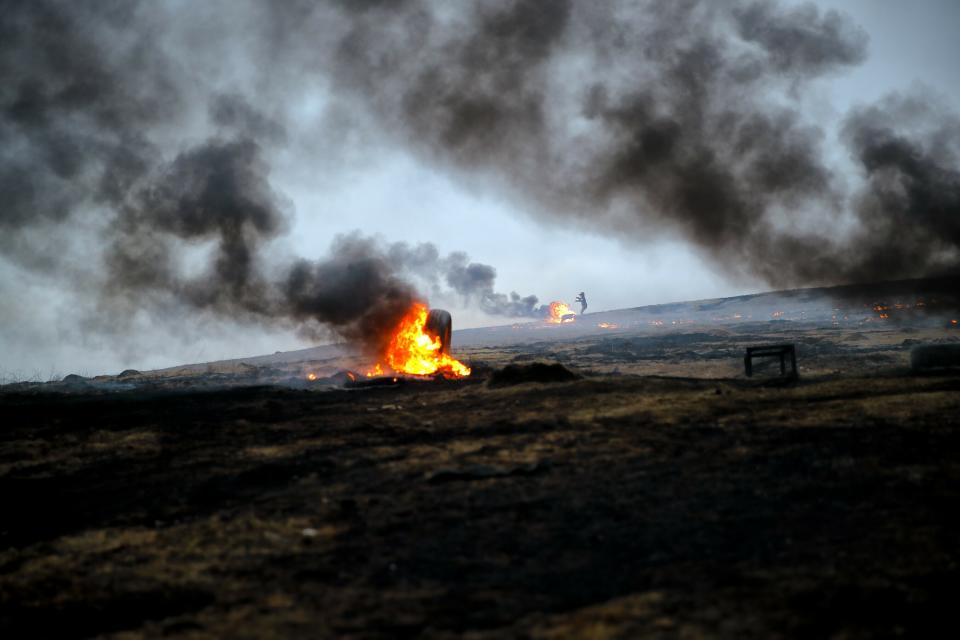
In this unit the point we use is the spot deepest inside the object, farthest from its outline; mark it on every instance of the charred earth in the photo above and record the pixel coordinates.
(654, 491)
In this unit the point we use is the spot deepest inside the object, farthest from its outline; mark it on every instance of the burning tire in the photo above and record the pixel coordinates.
(440, 324)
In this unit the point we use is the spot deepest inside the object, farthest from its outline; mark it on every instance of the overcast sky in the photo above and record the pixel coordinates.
(338, 180)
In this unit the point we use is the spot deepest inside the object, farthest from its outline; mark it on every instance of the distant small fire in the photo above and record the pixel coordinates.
(560, 313)
(311, 376)
(608, 325)
(413, 350)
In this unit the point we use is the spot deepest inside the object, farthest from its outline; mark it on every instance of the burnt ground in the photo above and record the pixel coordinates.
(660, 494)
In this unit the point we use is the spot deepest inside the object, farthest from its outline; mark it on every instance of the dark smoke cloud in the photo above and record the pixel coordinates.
(356, 291)
(362, 283)
(217, 192)
(154, 125)
(640, 117)
(220, 194)
(801, 40)
(472, 282)
(95, 92)
(234, 113)
(909, 152)
(73, 116)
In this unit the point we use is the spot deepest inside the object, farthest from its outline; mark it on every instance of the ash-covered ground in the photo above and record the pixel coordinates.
(661, 493)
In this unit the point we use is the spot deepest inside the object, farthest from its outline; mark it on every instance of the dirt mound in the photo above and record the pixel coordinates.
(536, 372)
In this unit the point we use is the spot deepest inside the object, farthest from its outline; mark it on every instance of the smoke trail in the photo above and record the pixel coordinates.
(220, 193)
(472, 282)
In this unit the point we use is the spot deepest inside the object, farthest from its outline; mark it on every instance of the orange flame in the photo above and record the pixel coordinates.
(608, 325)
(414, 351)
(560, 312)
(311, 376)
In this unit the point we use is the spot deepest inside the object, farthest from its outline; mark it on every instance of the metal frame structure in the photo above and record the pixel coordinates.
(773, 351)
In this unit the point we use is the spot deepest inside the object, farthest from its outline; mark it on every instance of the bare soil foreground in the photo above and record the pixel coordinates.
(659, 494)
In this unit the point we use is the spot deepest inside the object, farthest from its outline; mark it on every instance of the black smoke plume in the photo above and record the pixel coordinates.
(143, 133)
(96, 93)
(472, 282)
(641, 117)
(220, 194)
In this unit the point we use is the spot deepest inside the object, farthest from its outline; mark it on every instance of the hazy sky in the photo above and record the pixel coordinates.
(338, 180)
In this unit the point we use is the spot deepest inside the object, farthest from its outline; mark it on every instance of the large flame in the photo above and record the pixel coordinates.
(560, 312)
(413, 351)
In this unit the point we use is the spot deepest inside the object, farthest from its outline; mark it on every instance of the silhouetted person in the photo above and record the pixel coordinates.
(582, 299)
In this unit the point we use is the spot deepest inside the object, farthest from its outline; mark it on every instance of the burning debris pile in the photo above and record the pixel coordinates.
(420, 345)
(560, 313)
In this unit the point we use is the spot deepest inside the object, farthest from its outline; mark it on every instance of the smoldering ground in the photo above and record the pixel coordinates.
(137, 134)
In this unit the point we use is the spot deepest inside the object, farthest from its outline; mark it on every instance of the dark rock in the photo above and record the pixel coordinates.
(73, 378)
(128, 373)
